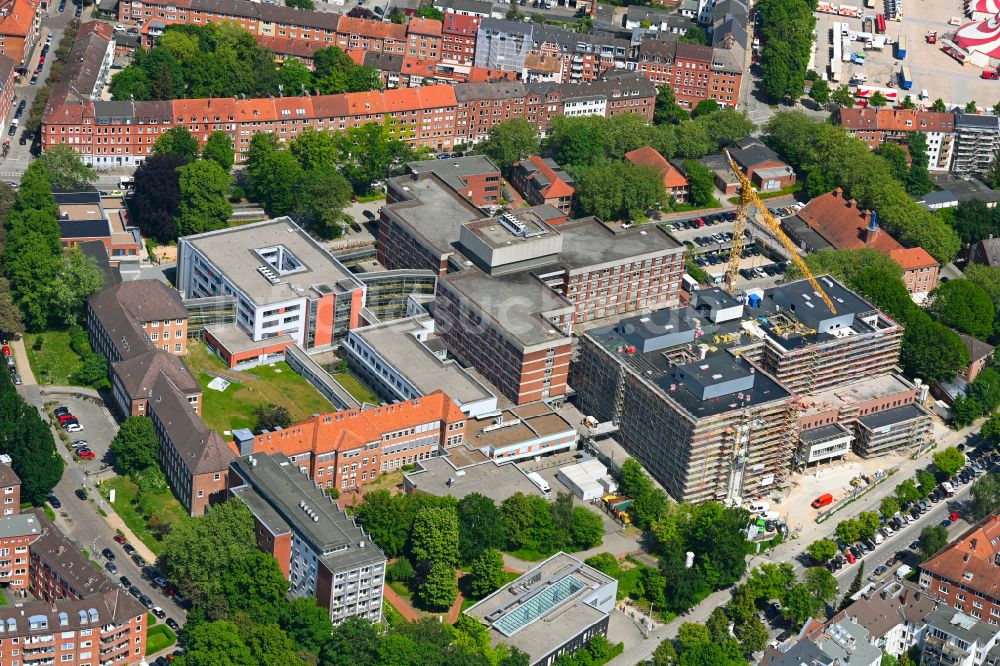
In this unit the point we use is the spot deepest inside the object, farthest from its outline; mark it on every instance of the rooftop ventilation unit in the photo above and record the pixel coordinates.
(268, 274)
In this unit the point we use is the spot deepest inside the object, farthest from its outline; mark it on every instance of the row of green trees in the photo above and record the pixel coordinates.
(826, 157)
(47, 284)
(224, 60)
(437, 534)
(786, 33)
(27, 438)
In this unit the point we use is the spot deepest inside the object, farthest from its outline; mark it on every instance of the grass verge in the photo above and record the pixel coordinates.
(234, 407)
(354, 386)
(54, 361)
(528, 554)
(159, 637)
(392, 616)
(137, 509)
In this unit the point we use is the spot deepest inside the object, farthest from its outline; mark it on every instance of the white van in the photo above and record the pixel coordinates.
(903, 571)
(758, 506)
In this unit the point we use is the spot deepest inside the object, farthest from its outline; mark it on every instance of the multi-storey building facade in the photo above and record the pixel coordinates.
(346, 450)
(699, 398)
(977, 139)
(964, 574)
(288, 289)
(321, 550)
(705, 426)
(876, 126)
(542, 181)
(19, 25)
(694, 71)
(475, 177)
(458, 38)
(133, 317)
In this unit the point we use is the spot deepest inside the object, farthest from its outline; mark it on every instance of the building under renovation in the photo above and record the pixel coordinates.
(708, 397)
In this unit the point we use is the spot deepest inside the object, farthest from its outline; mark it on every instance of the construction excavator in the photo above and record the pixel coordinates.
(748, 201)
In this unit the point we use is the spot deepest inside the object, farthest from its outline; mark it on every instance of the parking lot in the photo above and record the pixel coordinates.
(941, 75)
(99, 428)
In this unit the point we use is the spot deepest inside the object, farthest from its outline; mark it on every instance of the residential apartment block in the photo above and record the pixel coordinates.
(876, 126)
(321, 550)
(542, 181)
(348, 449)
(965, 574)
(419, 37)
(288, 289)
(674, 182)
(89, 216)
(458, 38)
(694, 71)
(20, 21)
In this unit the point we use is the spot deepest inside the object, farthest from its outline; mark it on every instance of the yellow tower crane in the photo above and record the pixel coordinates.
(748, 200)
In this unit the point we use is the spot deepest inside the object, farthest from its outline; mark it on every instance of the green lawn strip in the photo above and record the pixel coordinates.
(392, 616)
(234, 408)
(354, 386)
(528, 555)
(159, 637)
(163, 504)
(55, 362)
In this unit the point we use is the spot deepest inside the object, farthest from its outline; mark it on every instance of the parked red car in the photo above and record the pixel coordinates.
(86, 454)
(63, 418)
(850, 557)
(6, 350)
(119, 539)
(987, 74)
(953, 516)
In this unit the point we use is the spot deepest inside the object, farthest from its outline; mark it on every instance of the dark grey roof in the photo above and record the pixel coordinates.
(138, 374)
(64, 558)
(978, 349)
(70, 229)
(750, 152)
(990, 249)
(975, 120)
(98, 253)
(292, 498)
(509, 27)
(201, 450)
(386, 62)
(496, 90)
(616, 81)
(83, 66)
(892, 416)
(642, 13)
(730, 28)
(114, 109)
(471, 6)
(940, 197)
(454, 169)
(7, 476)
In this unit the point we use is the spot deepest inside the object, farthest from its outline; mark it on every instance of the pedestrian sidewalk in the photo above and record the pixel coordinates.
(23, 366)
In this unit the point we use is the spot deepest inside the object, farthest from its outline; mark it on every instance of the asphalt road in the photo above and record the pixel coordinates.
(79, 519)
(54, 22)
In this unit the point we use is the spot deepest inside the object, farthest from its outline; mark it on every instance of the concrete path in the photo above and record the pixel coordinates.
(23, 366)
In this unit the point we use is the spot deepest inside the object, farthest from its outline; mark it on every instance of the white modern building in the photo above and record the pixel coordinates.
(287, 288)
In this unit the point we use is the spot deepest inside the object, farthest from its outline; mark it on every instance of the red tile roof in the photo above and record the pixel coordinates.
(346, 430)
(896, 120)
(843, 224)
(648, 157)
(911, 258)
(557, 187)
(424, 26)
(371, 29)
(457, 24)
(18, 21)
(970, 560)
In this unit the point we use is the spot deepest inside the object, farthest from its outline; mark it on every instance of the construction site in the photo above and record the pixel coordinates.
(710, 398)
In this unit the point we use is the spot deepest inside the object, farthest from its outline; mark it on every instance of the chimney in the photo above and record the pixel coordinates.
(838, 192)
(871, 230)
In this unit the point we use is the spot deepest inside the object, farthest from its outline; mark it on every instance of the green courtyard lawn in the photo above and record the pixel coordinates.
(137, 514)
(159, 637)
(354, 386)
(234, 408)
(54, 362)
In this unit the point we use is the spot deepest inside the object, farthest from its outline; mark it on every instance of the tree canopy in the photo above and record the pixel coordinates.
(510, 142)
(135, 445)
(786, 29)
(841, 160)
(28, 440)
(224, 60)
(204, 186)
(964, 306)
